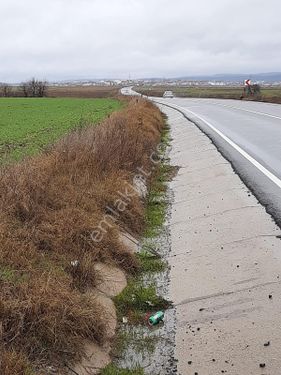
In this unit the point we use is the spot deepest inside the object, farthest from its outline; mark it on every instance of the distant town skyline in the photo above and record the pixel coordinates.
(80, 39)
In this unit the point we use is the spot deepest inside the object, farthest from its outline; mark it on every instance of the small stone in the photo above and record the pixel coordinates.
(262, 365)
(189, 362)
(266, 343)
(201, 309)
(270, 296)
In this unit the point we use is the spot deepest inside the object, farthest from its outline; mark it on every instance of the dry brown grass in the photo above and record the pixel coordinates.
(12, 362)
(74, 91)
(83, 91)
(268, 94)
(49, 206)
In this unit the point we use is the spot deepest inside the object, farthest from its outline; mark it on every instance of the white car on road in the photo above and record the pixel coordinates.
(168, 94)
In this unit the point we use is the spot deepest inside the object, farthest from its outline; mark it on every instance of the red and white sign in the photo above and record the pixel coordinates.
(247, 82)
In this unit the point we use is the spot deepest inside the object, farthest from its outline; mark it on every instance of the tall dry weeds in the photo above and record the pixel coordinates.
(49, 206)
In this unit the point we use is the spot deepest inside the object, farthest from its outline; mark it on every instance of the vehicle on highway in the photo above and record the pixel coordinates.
(168, 94)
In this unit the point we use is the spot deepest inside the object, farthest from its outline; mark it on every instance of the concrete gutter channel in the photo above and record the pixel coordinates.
(225, 264)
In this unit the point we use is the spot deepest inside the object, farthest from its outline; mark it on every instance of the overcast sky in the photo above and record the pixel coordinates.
(63, 39)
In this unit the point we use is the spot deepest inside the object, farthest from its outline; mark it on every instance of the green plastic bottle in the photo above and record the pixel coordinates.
(156, 318)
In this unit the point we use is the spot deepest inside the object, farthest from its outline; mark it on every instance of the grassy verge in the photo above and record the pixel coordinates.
(114, 370)
(29, 124)
(137, 299)
(140, 298)
(268, 94)
(149, 262)
(50, 206)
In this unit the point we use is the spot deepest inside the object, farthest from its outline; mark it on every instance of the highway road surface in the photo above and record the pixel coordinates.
(248, 134)
(225, 259)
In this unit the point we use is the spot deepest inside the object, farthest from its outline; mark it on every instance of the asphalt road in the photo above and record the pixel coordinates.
(248, 134)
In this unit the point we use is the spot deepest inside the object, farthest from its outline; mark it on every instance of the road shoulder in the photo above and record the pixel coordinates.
(225, 263)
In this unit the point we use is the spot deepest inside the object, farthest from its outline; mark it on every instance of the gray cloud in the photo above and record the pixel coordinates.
(60, 39)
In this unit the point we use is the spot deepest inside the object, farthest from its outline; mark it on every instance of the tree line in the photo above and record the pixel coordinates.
(33, 88)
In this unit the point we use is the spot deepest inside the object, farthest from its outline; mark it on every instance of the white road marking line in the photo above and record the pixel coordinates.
(248, 110)
(212, 101)
(260, 167)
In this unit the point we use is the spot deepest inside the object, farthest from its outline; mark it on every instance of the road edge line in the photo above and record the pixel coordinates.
(253, 161)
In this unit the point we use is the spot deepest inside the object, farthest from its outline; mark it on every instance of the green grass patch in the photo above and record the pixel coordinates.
(150, 263)
(155, 213)
(165, 136)
(136, 299)
(157, 204)
(114, 370)
(29, 124)
(8, 275)
(137, 340)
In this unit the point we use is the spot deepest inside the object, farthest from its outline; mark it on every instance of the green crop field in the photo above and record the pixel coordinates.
(27, 125)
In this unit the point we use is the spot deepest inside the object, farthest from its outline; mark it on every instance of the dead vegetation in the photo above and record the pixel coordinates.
(49, 207)
(83, 91)
(35, 88)
(266, 94)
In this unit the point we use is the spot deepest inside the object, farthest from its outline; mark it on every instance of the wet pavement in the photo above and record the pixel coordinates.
(248, 134)
(225, 264)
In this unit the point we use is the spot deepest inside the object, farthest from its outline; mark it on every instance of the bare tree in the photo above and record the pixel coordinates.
(34, 88)
(5, 90)
(25, 89)
(42, 87)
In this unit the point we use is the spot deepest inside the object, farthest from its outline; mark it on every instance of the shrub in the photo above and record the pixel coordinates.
(49, 206)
